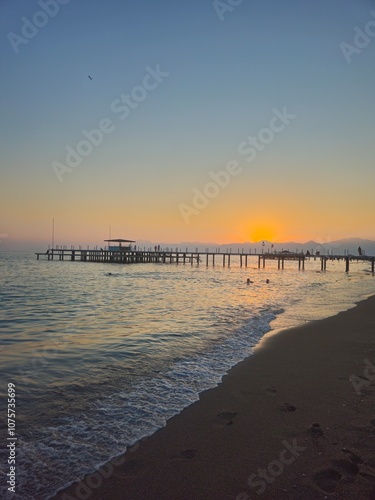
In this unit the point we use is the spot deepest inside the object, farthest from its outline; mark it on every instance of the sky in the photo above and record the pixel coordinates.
(169, 121)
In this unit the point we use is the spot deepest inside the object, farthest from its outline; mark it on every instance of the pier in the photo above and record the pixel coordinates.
(129, 255)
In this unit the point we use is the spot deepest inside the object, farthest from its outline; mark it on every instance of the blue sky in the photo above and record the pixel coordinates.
(225, 78)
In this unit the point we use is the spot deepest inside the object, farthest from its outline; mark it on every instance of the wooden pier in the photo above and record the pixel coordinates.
(132, 256)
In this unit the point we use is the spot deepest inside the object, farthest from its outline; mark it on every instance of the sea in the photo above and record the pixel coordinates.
(102, 355)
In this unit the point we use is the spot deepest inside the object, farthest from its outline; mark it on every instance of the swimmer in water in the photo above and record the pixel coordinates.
(267, 281)
(249, 281)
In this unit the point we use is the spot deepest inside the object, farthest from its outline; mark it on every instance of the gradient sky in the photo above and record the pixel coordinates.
(314, 180)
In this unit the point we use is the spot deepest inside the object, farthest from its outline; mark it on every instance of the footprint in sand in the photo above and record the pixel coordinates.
(185, 455)
(226, 418)
(271, 390)
(287, 407)
(327, 479)
(316, 430)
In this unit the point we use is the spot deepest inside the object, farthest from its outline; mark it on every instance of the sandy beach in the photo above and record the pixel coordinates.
(294, 421)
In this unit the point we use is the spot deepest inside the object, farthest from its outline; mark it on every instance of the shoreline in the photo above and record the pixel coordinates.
(294, 420)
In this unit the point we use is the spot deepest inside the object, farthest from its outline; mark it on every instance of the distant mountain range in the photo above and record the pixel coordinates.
(339, 247)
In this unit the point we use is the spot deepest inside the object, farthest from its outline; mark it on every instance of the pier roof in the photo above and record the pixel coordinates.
(120, 241)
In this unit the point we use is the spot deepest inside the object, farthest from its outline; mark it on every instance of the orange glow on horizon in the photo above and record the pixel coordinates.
(259, 233)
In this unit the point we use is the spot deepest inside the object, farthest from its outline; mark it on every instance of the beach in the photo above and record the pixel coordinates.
(294, 420)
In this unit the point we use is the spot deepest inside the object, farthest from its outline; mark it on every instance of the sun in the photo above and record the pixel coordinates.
(261, 233)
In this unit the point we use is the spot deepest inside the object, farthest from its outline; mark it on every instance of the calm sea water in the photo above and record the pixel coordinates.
(103, 354)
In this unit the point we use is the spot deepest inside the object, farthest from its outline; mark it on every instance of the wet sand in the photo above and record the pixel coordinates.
(294, 421)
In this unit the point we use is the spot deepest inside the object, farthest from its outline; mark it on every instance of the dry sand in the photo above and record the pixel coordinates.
(294, 421)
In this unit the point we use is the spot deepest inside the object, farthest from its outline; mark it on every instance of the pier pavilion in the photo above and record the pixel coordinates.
(120, 247)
